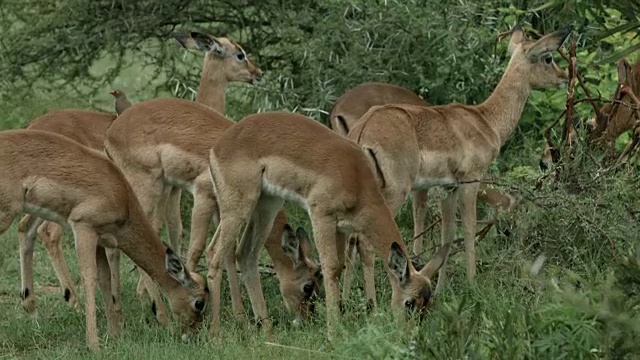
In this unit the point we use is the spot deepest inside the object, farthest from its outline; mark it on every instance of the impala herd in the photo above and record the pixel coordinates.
(116, 179)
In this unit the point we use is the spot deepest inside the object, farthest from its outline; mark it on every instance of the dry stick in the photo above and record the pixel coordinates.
(434, 223)
(480, 235)
(570, 94)
(584, 88)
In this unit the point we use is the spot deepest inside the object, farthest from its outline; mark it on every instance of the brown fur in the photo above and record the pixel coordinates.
(162, 146)
(83, 188)
(354, 103)
(418, 147)
(350, 107)
(88, 128)
(267, 157)
(607, 128)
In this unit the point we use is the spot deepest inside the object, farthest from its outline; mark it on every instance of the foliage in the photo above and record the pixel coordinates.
(584, 220)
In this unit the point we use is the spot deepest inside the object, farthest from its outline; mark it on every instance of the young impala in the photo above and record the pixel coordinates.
(269, 157)
(415, 147)
(81, 187)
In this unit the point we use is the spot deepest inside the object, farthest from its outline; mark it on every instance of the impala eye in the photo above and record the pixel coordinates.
(241, 56)
(548, 59)
(308, 289)
(409, 304)
(199, 305)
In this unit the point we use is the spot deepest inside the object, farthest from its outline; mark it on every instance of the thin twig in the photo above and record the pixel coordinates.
(434, 223)
(584, 88)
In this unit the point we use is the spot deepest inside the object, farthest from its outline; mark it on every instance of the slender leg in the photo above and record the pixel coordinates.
(86, 241)
(262, 221)
(468, 196)
(234, 288)
(350, 264)
(51, 234)
(324, 233)
(113, 257)
(448, 208)
(368, 261)
(26, 235)
(173, 219)
(104, 279)
(204, 209)
(222, 244)
(419, 205)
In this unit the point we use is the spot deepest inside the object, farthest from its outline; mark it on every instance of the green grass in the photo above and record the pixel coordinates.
(507, 313)
(584, 304)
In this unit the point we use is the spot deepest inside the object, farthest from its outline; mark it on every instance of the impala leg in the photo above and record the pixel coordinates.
(448, 209)
(104, 279)
(419, 206)
(325, 235)
(26, 235)
(173, 219)
(113, 257)
(237, 306)
(349, 268)
(86, 241)
(204, 209)
(223, 243)
(234, 288)
(368, 261)
(468, 196)
(249, 251)
(51, 235)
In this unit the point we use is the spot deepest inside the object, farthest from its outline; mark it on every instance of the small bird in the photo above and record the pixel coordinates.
(122, 103)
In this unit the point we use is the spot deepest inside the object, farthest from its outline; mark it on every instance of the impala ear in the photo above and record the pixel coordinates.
(304, 249)
(548, 43)
(517, 37)
(399, 264)
(176, 268)
(436, 261)
(202, 42)
(291, 244)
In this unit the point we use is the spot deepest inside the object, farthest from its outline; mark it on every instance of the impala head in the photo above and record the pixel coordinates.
(535, 57)
(300, 286)
(189, 302)
(412, 290)
(224, 57)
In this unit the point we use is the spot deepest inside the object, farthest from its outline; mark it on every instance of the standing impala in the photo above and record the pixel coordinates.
(81, 187)
(416, 147)
(269, 157)
(346, 112)
(162, 146)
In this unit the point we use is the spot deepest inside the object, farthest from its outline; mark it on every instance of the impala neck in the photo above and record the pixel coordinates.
(140, 243)
(213, 84)
(382, 232)
(282, 263)
(504, 107)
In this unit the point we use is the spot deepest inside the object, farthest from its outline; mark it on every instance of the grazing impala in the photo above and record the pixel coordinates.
(81, 187)
(269, 157)
(88, 128)
(162, 146)
(346, 111)
(416, 147)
